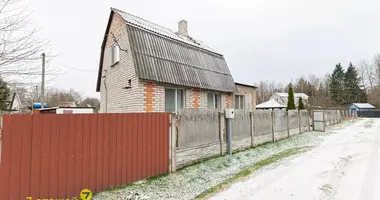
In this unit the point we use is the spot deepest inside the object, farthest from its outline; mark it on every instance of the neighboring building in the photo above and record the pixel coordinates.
(361, 107)
(245, 96)
(15, 104)
(270, 105)
(282, 98)
(145, 67)
(67, 110)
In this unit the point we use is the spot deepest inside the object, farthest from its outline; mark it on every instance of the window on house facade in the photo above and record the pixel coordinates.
(115, 53)
(174, 100)
(213, 100)
(239, 101)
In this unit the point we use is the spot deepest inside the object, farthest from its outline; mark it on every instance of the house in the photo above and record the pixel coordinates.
(145, 67)
(361, 107)
(245, 96)
(15, 104)
(270, 105)
(282, 98)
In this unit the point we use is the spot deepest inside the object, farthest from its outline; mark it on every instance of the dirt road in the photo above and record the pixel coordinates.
(345, 166)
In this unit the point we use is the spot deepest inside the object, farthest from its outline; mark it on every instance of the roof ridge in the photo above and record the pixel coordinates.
(115, 9)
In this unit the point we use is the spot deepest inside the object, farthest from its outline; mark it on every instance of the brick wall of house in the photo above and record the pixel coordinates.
(227, 101)
(195, 98)
(250, 96)
(118, 75)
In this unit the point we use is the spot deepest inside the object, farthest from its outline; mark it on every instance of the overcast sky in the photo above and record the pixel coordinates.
(260, 39)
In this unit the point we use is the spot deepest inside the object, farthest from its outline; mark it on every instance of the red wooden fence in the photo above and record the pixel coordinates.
(56, 156)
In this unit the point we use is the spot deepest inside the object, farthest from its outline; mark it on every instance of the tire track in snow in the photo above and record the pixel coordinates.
(329, 190)
(369, 182)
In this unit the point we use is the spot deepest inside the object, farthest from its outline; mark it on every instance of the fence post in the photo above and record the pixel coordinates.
(299, 121)
(288, 122)
(308, 121)
(221, 129)
(172, 142)
(273, 124)
(251, 119)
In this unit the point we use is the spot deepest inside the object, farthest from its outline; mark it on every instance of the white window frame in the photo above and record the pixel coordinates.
(176, 98)
(115, 54)
(214, 94)
(238, 103)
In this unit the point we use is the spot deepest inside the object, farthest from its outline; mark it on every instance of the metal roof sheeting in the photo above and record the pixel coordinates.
(270, 104)
(364, 105)
(163, 59)
(145, 24)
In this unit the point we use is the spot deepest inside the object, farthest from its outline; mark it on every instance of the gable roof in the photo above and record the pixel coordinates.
(363, 105)
(162, 55)
(296, 95)
(270, 104)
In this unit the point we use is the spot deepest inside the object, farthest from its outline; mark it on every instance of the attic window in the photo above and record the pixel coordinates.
(115, 54)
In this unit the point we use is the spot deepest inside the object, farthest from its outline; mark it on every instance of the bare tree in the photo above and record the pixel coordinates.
(56, 97)
(376, 65)
(94, 102)
(20, 48)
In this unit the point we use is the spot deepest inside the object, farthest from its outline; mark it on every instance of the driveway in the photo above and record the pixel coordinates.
(345, 166)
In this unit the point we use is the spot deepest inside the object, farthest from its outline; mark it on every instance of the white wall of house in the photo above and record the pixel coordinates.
(115, 77)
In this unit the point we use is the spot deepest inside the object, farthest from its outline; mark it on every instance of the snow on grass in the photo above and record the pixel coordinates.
(191, 181)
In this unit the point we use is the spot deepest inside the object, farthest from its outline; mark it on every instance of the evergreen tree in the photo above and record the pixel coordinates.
(4, 94)
(353, 93)
(300, 104)
(337, 85)
(291, 105)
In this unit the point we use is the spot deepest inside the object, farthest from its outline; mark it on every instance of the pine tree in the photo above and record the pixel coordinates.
(353, 93)
(291, 105)
(337, 85)
(4, 94)
(300, 104)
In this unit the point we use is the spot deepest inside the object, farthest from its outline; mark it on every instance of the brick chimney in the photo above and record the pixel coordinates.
(182, 28)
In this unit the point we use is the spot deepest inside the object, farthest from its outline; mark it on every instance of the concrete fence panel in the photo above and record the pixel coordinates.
(294, 122)
(241, 126)
(280, 124)
(263, 122)
(305, 121)
(197, 127)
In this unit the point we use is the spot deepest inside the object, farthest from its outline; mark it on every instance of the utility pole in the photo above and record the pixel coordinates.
(43, 82)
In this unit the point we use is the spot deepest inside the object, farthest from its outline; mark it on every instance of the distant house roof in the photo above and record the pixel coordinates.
(246, 85)
(162, 55)
(296, 95)
(363, 105)
(270, 104)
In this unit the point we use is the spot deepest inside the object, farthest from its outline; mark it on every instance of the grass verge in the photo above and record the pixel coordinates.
(247, 171)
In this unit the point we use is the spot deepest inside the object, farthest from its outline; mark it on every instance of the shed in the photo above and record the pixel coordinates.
(361, 107)
(271, 104)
